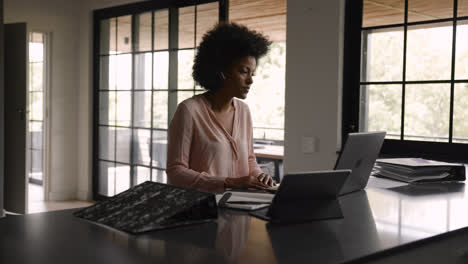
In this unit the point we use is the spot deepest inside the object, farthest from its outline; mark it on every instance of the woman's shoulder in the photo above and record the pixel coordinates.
(193, 103)
(241, 105)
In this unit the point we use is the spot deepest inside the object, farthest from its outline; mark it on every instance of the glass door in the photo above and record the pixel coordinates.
(144, 63)
(36, 116)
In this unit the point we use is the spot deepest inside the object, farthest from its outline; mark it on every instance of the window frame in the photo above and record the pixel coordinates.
(447, 151)
(123, 10)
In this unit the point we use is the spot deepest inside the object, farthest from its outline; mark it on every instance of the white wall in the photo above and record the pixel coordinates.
(313, 82)
(59, 18)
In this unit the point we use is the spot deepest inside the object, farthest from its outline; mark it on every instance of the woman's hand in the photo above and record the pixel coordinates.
(266, 179)
(262, 181)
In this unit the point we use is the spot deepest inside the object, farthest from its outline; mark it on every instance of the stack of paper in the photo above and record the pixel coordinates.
(418, 169)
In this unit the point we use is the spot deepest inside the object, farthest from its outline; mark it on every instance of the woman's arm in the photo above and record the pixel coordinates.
(178, 156)
(254, 169)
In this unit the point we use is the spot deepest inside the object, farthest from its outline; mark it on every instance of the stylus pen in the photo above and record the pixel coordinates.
(247, 202)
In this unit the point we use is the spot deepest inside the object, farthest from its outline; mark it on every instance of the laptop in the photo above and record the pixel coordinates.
(306, 196)
(358, 155)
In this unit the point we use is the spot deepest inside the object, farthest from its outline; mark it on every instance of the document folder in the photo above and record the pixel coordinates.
(418, 170)
(152, 206)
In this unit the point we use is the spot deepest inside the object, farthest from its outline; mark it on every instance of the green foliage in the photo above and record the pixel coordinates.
(266, 97)
(427, 106)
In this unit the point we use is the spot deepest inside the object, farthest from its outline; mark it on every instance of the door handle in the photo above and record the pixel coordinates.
(21, 113)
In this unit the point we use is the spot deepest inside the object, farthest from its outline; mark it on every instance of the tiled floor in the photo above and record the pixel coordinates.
(38, 205)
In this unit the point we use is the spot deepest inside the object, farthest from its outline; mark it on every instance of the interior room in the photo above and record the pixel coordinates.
(71, 89)
(99, 81)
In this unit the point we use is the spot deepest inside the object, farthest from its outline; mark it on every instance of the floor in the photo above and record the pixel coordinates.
(38, 205)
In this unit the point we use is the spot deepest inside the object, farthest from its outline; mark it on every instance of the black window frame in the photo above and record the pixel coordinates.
(117, 11)
(455, 152)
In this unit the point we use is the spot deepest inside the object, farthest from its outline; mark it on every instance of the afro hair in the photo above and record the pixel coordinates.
(221, 47)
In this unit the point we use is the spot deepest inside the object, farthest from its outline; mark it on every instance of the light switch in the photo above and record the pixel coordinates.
(309, 144)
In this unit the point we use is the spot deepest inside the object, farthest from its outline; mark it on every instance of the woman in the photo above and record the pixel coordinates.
(210, 144)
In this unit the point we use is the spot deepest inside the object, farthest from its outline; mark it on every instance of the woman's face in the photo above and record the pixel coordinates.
(238, 77)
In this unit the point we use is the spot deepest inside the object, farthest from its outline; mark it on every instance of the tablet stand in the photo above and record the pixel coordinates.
(303, 211)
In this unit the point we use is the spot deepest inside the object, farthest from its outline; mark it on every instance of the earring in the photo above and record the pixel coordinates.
(222, 76)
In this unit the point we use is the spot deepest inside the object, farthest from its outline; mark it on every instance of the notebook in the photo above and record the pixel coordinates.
(244, 200)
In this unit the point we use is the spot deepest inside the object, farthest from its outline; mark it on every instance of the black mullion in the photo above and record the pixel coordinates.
(31, 148)
(177, 49)
(403, 87)
(189, 90)
(130, 164)
(434, 21)
(363, 92)
(141, 52)
(152, 95)
(173, 61)
(130, 127)
(452, 75)
(118, 90)
(223, 12)
(132, 108)
(136, 90)
(115, 112)
(351, 62)
(412, 82)
(383, 26)
(407, 82)
(130, 53)
(115, 161)
(96, 75)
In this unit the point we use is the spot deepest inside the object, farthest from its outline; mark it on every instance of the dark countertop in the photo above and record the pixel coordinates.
(375, 220)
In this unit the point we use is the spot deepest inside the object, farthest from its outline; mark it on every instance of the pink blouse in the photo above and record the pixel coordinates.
(201, 153)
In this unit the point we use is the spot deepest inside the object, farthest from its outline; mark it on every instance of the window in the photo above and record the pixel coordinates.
(266, 98)
(143, 60)
(413, 75)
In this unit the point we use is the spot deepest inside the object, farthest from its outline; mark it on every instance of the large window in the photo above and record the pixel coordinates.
(143, 59)
(266, 98)
(413, 77)
(143, 62)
